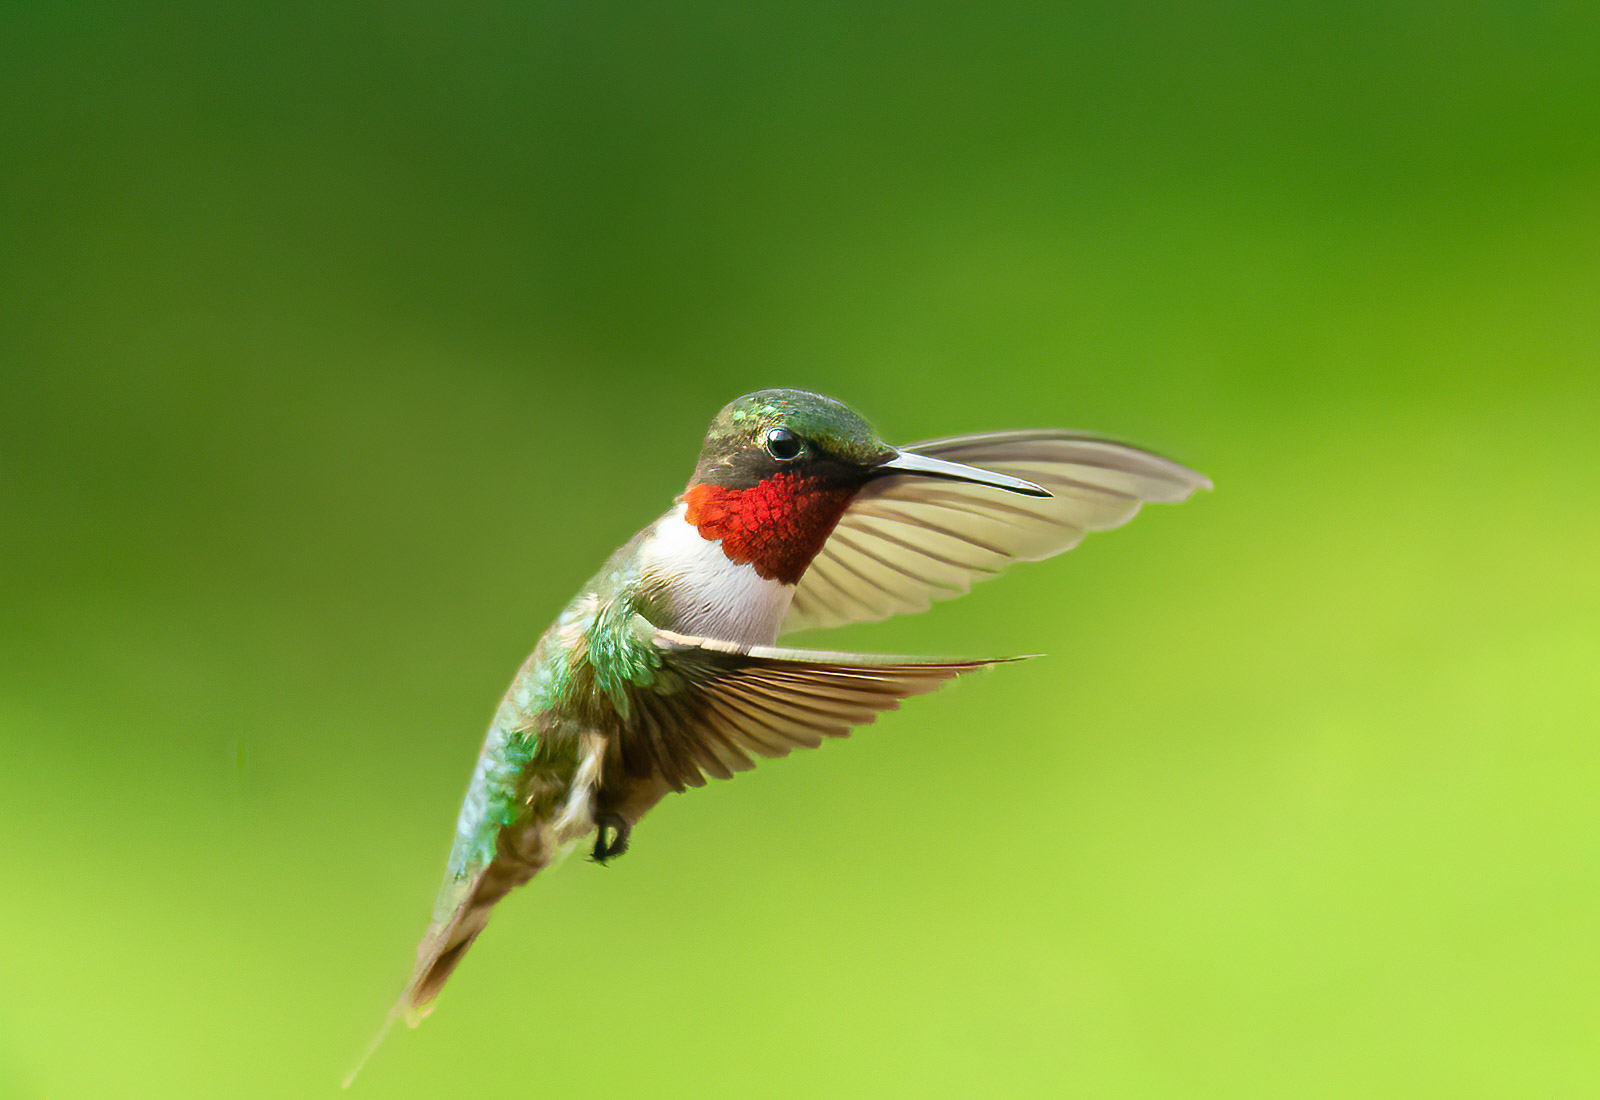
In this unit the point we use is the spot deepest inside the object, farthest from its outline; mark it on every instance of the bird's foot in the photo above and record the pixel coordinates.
(606, 850)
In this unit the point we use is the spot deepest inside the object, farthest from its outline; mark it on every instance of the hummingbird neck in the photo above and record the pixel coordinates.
(776, 526)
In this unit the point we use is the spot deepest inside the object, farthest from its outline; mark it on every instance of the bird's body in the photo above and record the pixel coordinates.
(537, 788)
(663, 669)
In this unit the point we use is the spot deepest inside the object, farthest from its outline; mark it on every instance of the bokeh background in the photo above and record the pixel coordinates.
(339, 343)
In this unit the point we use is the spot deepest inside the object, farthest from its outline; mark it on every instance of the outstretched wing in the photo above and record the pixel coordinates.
(710, 706)
(906, 541)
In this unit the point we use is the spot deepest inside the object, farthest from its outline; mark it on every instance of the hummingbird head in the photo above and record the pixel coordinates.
(792, 433)
(779, 467)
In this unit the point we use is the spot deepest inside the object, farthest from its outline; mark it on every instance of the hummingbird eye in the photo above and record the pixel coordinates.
(783, 445)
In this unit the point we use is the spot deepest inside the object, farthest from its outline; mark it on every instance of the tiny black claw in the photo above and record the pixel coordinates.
(608, 850)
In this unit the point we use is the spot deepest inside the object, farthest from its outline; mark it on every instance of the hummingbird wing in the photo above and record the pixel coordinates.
(907, 540)
(710, 706)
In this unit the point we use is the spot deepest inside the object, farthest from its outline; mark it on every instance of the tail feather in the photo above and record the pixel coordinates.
(450, 934)
(462, 913)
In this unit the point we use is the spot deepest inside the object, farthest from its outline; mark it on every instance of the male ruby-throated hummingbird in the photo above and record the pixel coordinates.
(663, 670)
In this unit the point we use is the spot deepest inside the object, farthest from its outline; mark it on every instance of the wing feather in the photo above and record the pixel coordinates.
(712, 705)
(906, 541)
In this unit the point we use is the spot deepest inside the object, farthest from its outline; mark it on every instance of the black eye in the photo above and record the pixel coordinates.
(782, 444)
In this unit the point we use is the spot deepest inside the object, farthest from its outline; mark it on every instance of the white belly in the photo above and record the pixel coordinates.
(707, 594)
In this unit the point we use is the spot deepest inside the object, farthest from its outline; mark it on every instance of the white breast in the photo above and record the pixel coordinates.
(709, 595)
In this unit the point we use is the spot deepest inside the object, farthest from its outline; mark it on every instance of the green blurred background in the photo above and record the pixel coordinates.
(339, 343)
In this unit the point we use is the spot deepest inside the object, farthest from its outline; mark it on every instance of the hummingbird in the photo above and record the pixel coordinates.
(663, 670)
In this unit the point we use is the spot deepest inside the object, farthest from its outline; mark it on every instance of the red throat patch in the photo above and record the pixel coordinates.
(777, 526)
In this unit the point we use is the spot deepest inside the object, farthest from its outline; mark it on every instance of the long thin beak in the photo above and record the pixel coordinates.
(908, 462)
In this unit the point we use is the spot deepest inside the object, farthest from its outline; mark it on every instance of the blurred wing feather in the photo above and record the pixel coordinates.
(906, 540)
(713, 706)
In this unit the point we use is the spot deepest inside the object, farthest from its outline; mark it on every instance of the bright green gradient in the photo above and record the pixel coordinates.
(341, 343)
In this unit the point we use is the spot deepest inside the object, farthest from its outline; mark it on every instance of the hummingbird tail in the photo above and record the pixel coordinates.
(460, 913)
(445, 941)
(449, 936)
